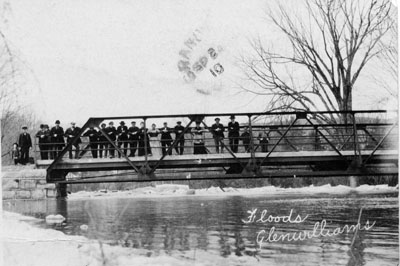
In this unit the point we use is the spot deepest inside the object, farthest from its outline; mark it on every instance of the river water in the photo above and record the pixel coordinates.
(220, 226)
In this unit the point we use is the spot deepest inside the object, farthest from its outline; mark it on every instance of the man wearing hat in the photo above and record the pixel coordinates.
(217, 130)
(233, 134)
(102, 141)
(133, 138)
(57, 139)
(43, 136)
(111, 131)
(166, 139)
(181, 143)
(93, 140)
(71, 133)
(25, 143)
(122, 132)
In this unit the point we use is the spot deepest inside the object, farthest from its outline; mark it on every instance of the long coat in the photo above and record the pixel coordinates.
(25, 141)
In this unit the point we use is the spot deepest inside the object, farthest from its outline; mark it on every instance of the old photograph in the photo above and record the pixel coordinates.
(199, 133)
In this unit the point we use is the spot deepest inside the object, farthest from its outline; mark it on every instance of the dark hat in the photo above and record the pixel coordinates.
(41, 126)
(73, 123)
(24, 127)
(179, 122)
(232, 117)
(91, 127)
(58, 122)
(198, 122)
(46, 126)
(122, 123)
(103, 124)
(111, 123)
(133, 122)
(217, 119)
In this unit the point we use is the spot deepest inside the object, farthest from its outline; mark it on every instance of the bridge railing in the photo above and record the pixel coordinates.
(268, 133)
(265, 134)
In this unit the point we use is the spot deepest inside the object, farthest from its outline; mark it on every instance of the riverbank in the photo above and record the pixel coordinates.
(24, 244)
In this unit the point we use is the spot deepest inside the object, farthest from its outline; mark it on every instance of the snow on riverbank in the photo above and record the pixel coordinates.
(173, 190)
(24, 244)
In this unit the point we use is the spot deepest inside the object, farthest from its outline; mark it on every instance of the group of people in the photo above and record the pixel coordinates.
(154, 141)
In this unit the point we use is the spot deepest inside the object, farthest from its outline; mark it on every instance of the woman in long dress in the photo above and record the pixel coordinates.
(154, 141)
(143, 135)
(198, 139)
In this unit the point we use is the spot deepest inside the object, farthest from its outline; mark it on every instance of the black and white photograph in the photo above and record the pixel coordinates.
(199, 133)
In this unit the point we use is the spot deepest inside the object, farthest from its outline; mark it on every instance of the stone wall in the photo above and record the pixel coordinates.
(26, 183)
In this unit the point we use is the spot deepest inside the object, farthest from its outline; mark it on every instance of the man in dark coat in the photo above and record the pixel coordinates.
(57, 139)
(246, 139)
(181, 143)
(103, 146)
(122, 132)
(133, 138)
(43, 136)
(71, 133)
(93, 140)
(111, 132)
(233, 134)
(217, 130)
(263, 139)
(166, 139)
(25, 143)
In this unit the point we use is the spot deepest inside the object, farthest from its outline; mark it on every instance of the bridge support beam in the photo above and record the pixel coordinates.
(61, 189)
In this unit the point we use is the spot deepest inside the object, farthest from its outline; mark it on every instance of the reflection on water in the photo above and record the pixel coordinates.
(215, 225)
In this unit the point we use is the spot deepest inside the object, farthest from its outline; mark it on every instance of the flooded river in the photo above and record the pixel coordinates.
(223, 226)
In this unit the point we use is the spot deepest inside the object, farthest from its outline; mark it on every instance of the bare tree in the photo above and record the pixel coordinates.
(331, 45)
(389, 61)
(13, 112)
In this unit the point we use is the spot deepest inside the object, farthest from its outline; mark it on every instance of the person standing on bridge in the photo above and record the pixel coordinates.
(233, 134)
(246, 139)
(144, 141)
(103, 146)
(217, 130)
(43, 136)
(133, 138)
(122, 131)
(93, 140)
(263, 139)
(198, 139)
(57, 139)
(71, 133)
(154, 141)
(111, 132)
(25, 143)
(166, 139)
(180, 145)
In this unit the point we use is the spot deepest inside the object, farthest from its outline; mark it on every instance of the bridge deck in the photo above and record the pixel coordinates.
(210, 160)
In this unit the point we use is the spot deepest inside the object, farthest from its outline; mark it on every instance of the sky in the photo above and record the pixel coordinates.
(120, 58)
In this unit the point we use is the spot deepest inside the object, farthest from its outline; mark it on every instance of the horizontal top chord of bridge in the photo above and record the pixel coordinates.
(244, 114)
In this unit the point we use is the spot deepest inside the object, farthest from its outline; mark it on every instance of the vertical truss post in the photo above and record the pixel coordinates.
(145, 143)
(326, 139)
(281, 138)
(355, 140)
(119, 150)
(380, 143)
(172, 146)
(228, 149)
(317, 142)
(252, 150)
